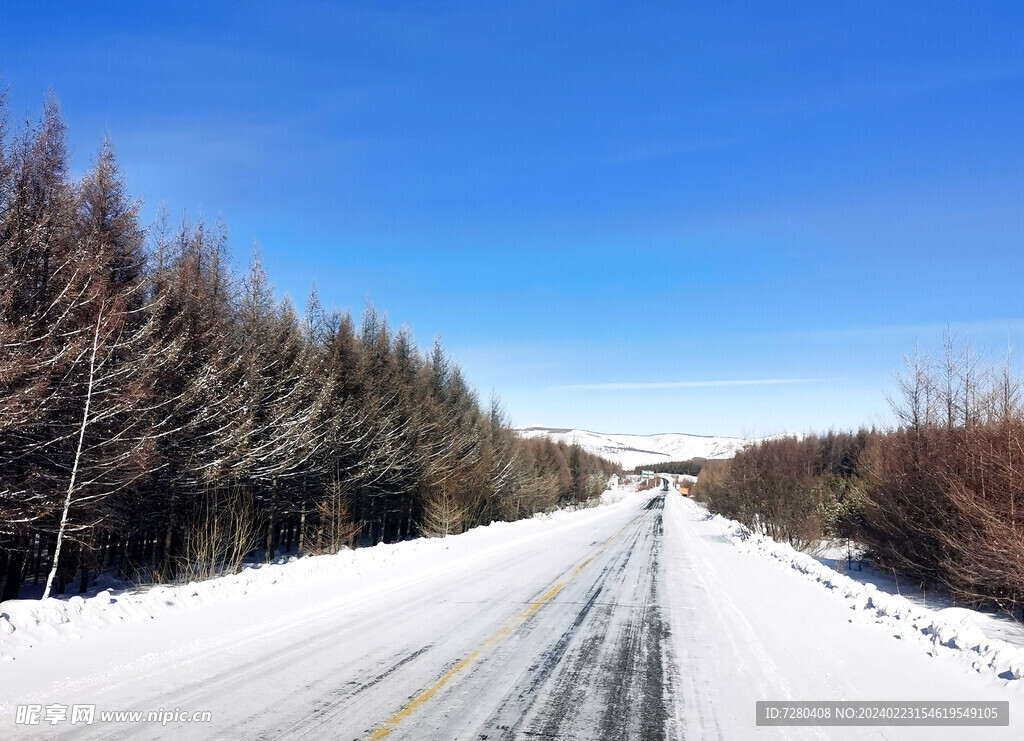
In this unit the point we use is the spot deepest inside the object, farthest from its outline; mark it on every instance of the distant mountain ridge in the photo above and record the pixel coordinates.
(630, 451)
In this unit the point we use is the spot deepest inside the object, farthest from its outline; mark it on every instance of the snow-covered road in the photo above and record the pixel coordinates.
(631, 621)
(745, 628)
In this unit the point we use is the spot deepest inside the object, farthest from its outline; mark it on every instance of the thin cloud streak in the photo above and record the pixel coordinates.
(682, 384)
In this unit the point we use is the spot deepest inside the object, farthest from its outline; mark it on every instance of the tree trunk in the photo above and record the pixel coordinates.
(122, 565)
(78, 458)
(165, 554)
(12, 578)
(38, 560)
(269, 550)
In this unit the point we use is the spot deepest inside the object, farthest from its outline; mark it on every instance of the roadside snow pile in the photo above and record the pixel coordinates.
(615, 495)
(27, 623)
(948, 631)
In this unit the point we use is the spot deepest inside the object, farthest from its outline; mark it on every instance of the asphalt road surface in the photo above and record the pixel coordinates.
(562, 637)
(633, 621)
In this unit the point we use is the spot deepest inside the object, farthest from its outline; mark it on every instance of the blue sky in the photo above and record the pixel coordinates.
(610, 212)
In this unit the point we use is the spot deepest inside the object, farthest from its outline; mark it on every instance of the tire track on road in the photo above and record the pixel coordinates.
(512, 627)
(583, 670)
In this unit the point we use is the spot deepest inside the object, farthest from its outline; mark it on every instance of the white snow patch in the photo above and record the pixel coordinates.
(28, 623)
(630, 451)
(951, 630)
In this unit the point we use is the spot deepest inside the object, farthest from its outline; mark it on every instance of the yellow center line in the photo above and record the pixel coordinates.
(531, 608)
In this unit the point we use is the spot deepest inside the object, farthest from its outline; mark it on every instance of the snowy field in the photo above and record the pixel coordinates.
(630, 451)
(994, 623)
(972, 636)
(797, 630)
(642, 618)
(28, 625)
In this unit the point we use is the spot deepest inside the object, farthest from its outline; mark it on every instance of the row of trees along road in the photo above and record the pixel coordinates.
(938, 499)
(163, 418)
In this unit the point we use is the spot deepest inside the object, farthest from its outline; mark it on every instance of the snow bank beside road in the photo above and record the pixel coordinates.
(28, 623)
(948, 631)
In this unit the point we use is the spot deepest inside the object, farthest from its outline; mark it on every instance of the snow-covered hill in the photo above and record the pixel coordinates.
(630, 451)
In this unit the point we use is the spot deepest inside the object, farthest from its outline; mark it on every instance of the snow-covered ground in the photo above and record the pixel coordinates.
(630, 451)
(28, 624)
(785, 627)
(995, 624)
(269, 650)
(642, 618)
(946, 630)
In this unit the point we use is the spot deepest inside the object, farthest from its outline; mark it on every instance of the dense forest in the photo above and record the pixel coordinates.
(938, 499)
(165, 418)
(689, 468)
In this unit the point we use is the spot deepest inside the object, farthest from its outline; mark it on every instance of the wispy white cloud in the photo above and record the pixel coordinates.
(641, 386)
